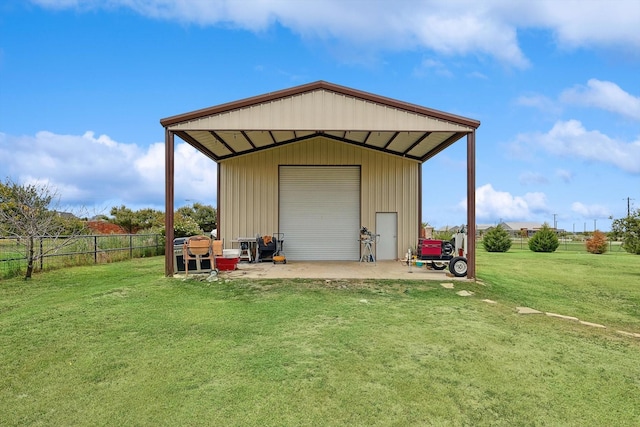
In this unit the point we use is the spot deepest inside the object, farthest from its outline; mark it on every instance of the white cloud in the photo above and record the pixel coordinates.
(492, 204)
(578, 23)
(451, 28)
(90, 171)
(590, 211)
(605, 95)
(570, 139)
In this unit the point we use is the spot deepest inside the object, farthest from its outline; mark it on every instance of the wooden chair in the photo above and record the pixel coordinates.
(218, 246)
(199, 248)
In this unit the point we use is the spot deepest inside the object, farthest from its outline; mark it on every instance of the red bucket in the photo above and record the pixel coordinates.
(226, 264)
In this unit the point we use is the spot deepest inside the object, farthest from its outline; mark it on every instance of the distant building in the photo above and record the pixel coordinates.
(449, 229)
(517, 229)
(481, 229)
(66, 215)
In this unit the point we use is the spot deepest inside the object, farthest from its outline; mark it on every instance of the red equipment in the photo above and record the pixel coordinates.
(440, 253)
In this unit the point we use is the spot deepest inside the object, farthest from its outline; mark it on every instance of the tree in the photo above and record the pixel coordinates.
(544, 240)
(125, 218)
(133, 221)
(204, 215)
(185, 226)
(597, 244)
(496, 239)
(628, 229)
(28, 212)
(149, 218)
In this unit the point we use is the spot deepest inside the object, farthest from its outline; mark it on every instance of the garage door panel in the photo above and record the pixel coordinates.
(320, 211)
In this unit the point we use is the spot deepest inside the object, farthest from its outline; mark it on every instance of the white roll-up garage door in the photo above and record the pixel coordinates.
(320, 212)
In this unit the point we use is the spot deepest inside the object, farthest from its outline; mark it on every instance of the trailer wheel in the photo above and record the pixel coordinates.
(438, 265)
(458, 266)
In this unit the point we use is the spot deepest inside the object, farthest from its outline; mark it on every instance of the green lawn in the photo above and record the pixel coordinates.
(119, 344)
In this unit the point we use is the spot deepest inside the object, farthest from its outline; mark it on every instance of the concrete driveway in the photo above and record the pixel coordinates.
(394, 270)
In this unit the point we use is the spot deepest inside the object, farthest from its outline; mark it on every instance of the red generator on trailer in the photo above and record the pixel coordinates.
(439, 254)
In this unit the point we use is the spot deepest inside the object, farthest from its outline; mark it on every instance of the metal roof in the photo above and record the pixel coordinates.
(319, 109)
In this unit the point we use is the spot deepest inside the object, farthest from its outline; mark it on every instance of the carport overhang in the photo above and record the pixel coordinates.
(319, 109)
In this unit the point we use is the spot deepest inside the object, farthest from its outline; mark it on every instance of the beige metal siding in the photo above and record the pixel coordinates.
(249, 187)
(308, 111)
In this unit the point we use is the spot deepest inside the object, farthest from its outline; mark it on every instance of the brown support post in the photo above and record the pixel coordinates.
(218, 202)
(471, 205)
(169, 195)
(419, 201)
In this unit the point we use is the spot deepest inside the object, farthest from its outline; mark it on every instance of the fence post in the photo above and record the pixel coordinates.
(95, 249)
(130, 246)
(41, 257)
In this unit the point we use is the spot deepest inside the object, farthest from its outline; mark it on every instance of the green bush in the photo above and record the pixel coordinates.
(496, 240)
(544, 240)
(628, 229)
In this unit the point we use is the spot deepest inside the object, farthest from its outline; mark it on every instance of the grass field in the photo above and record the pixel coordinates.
(119, 344)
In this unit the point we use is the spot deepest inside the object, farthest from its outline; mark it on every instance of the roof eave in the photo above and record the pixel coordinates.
(309, 87)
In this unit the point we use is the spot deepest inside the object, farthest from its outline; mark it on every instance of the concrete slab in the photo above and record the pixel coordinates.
(465, 293)
(489, 301)
(629, 334)
(331, 270)
(594, 325)
(562, 316)
(447, 285)
(527, 310)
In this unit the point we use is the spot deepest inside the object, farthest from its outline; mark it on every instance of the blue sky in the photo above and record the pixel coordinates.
(556, 86)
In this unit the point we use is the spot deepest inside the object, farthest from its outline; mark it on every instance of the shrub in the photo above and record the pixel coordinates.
(544, 240)
(497, 240)
(597, 244)
(628, 229)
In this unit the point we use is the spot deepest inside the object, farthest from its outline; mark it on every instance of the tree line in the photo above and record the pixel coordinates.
(31, 211)
(626, 229)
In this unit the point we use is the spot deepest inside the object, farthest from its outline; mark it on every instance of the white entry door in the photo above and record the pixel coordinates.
(387, 228)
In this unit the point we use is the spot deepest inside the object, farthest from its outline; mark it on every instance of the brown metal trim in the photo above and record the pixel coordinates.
(244, 133)
(394, 136)
(268, 147)
(442, 146)
(366, 138)
(471, 205)
(218, 187)
(319, 85)
(169, 165)
(196, 144)
(314, 135)
(370, 147)
(273, 138)
(415, 144)
(222, 141)
(419, 199)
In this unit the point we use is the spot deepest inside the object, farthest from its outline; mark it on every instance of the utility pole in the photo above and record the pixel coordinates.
(629, 199)
(555, 223)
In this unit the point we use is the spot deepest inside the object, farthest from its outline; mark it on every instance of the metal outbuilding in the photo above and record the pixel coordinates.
(317, 162)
